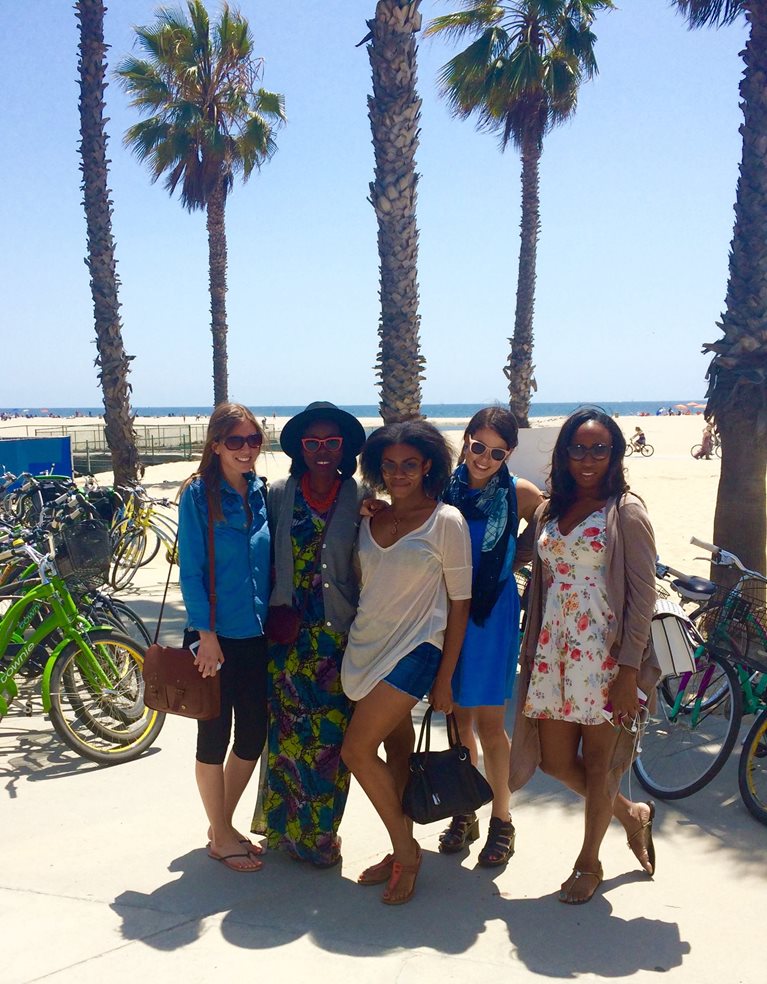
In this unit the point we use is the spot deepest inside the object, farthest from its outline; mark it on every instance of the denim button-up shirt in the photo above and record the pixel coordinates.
(242, 560)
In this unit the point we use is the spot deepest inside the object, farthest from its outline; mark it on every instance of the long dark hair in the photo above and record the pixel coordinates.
(561, 482)
(422, 436)
(222, 422)
(499, 419)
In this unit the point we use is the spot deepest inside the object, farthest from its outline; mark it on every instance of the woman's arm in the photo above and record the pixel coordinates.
(529, 497)
(441, 696)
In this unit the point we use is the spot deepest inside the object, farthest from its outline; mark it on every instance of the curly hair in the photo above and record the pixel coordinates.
(222, 422)
(497, 418)
(422, 436)
(561, 482)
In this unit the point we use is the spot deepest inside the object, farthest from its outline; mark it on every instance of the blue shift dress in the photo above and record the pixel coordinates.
(487, 666)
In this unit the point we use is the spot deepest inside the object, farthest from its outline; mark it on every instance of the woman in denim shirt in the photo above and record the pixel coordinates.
(226, 491)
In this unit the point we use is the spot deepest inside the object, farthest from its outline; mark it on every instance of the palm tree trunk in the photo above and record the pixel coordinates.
(112, 362)
(395, 110)
(519, 369)
(217, 272)
(737, 396)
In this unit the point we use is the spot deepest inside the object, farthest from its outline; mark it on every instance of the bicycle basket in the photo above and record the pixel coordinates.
(82, 554)
(736, 625)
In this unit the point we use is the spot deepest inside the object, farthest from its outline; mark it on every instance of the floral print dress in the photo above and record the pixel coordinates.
(572, 671)
(306, 785)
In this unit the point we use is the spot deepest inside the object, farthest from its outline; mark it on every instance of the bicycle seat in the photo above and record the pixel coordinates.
(694, 588)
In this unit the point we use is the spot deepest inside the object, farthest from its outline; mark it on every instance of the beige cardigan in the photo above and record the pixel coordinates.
(630, 566)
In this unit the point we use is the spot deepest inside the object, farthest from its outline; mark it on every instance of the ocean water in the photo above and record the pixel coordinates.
(434, 411)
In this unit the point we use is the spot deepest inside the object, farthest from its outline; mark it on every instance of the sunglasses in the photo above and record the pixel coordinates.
(409, 468)
(497, 454)
(313, 444)
(597, 451)
(235, 443)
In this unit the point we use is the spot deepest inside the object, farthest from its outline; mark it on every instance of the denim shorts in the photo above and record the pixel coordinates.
(415, 672)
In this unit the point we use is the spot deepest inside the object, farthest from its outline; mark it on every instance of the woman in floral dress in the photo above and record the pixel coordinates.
(314, 518)
(587, 641)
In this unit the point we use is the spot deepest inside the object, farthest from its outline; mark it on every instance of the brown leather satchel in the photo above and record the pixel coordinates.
(172, 683)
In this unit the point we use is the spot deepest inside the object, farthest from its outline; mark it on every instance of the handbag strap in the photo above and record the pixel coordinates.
(211, 577)
(453, 735)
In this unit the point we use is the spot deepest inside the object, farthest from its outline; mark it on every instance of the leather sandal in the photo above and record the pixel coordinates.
(565, 892)
(463, 830)
(499, 846)
(650, 847)
(377, 874)
(398, 870)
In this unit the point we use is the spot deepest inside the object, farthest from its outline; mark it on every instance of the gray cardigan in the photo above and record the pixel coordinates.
(630, 575)
(340, 587)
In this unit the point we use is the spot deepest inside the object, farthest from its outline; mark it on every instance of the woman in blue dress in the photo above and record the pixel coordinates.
(492, 501)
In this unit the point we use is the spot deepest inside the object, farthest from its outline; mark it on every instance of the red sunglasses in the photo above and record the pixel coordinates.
(313, 444)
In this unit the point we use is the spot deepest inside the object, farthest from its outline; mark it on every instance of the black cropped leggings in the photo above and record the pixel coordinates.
(243, 697)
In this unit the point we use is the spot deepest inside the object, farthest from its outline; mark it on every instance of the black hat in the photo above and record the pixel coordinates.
(351, 429)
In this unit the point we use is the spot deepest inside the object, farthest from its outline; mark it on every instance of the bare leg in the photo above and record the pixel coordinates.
(398, 745)
(375, 717)
(464, 717)
(495, 752)
(567, 765)
(212, 784)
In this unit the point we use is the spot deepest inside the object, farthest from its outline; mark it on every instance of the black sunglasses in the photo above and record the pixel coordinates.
(478, 448)
(597, 451)
(235, 443)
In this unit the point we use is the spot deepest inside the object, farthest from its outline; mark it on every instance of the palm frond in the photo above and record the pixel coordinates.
(715, 13)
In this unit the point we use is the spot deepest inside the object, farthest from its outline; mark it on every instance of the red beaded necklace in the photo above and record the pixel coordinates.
(319, 503)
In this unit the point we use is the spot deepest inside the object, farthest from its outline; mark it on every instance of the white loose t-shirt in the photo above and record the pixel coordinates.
(404, 596)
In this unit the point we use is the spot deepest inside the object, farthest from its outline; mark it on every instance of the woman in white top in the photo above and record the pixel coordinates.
(415, 559)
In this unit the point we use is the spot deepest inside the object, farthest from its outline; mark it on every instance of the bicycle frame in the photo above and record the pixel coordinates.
(63, 617)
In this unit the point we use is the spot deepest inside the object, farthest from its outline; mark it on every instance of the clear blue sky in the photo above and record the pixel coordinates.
(637, 199)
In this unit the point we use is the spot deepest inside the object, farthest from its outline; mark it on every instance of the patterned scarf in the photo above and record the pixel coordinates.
(497, 503)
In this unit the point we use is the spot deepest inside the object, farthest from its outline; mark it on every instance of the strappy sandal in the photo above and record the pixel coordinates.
(463, 830)
(377, 874)
(565, 893)
(650, 847)
(397, 871)
(499, 846)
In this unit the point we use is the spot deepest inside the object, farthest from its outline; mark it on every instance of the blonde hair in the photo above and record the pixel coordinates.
(222, 422)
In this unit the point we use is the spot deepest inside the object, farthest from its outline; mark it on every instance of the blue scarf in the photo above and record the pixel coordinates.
(497, 503)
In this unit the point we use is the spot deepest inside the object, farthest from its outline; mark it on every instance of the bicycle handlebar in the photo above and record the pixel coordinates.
(712, 548)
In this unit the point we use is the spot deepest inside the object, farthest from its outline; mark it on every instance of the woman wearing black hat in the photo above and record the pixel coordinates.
(314, 519)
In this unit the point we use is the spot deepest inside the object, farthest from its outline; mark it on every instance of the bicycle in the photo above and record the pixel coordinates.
(90, 677)
(138, 534)
(645, 450)
(697, 720)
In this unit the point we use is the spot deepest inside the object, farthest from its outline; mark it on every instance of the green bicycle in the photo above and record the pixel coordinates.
(90, 677)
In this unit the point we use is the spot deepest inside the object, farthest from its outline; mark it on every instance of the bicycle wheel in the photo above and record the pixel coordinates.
(692, 730)
(752, 769)
(629, 450)
(127, 556)
(647, 450)
(152, 546)
(696, 450)
(113, 612)
(104, 723)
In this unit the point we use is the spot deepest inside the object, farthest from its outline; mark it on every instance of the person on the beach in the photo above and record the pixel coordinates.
(707, 443)
(225, 492)
(415, 557)
(638, 438)
(314, 517)
(492, 501)
(587, 641)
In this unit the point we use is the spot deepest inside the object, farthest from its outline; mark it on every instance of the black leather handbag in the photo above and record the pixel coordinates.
(443, 784)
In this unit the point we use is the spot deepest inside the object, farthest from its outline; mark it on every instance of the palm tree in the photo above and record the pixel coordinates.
(395, 110)
(208, 122)
(113, 363)
(737, 374)
(520, 77)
